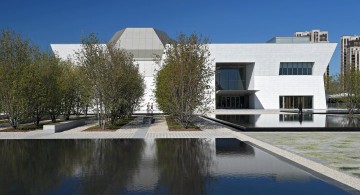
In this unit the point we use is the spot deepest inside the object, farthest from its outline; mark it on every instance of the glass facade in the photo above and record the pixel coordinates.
(292, 102)
(230, 79)
(232, 101)
(295, 68)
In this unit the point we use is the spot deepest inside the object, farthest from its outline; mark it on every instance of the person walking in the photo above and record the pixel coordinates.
(151, 108)
(300, 108)
(148, 108)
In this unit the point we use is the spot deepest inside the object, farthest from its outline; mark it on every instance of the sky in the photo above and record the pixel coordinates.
(226, 21)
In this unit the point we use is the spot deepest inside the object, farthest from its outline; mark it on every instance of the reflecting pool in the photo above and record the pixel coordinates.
(291, 120)
(161, 166)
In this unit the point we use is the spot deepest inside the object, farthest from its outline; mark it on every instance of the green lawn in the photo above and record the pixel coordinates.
(174, 126)
(109, 127)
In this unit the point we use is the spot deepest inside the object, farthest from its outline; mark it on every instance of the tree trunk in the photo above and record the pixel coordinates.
(53, 118)
(67, 115)
(13, 122)
(38, 121)
(86, 110)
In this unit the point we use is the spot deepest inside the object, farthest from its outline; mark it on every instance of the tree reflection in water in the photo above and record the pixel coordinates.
(112, 166)
(350, 122)
(40, 166)
(184, 165)
(342, 121)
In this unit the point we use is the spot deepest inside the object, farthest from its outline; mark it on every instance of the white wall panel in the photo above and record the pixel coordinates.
(271, 87)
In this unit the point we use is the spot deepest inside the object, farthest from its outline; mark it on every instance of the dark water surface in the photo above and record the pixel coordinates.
(292, 120)
(161, 166)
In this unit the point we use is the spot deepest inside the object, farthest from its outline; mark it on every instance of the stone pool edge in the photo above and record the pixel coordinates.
(308, 164)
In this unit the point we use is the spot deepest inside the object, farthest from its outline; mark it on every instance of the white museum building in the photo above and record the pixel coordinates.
(278, 74)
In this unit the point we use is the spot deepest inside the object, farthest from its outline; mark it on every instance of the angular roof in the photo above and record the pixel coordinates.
(143, 43)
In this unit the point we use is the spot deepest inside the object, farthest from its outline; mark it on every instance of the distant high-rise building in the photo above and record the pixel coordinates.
(315, 36)
(350, 53)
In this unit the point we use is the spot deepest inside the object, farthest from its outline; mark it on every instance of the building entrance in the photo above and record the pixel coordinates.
(293, 102)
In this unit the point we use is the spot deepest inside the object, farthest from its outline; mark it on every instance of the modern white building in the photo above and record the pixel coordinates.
(273, 75)
(350, 53)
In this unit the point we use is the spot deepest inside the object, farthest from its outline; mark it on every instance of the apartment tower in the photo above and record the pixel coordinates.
(350, 53)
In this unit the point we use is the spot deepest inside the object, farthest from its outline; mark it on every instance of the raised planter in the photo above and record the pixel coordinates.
(63, 126)
(148, 120)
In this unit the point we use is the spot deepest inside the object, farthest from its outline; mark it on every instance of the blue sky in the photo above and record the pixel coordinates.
(233, 21)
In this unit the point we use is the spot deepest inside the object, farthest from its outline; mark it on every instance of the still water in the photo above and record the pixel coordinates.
(292, 120)
(160, 166)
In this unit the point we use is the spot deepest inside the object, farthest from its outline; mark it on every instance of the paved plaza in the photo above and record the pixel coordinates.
(135, 129)
(339, 150)
(334, 155)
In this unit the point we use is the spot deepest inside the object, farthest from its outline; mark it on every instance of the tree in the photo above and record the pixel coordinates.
(70, 85)
(351, 90)
(36, 83)
(40, 90)
(92, 57)
(182, 83)
(116, 83)
(52, 73)
(83, 91)
(124, 84)
(16, 56)
(334, 85)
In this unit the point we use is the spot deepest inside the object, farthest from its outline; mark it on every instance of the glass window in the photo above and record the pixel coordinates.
(290, 69)
(295, 71)
(292, 102)
(230, 78)
(305, 71)
(300, 71)
(284, 71)
(295, 68)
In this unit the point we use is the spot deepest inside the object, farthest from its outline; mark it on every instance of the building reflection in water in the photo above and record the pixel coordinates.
(163, 166)
(226, 146)
(291, 120)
